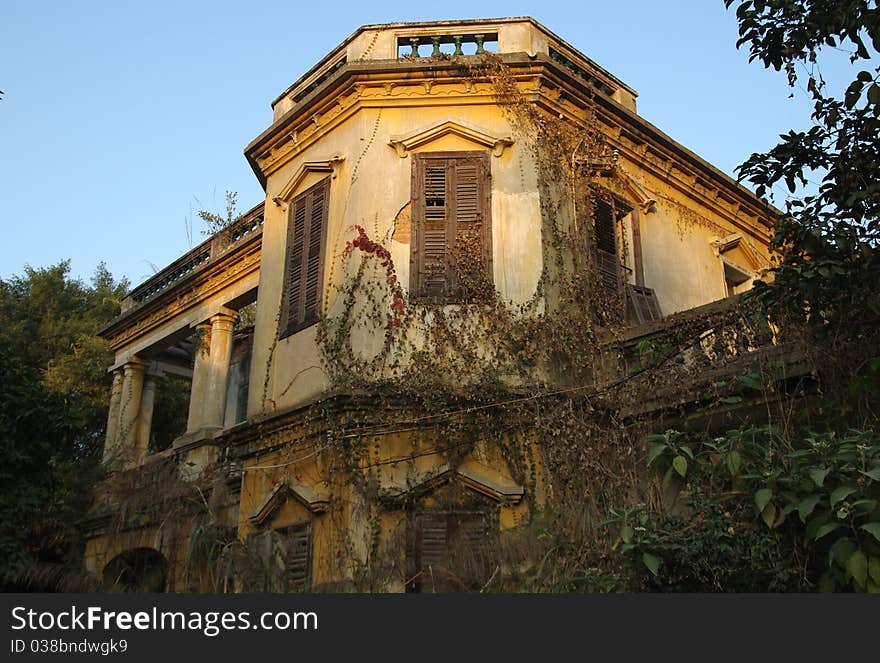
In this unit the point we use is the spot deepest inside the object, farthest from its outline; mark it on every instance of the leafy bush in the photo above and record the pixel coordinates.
(758, 511)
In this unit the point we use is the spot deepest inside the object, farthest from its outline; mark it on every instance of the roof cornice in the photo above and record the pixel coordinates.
(342, 95)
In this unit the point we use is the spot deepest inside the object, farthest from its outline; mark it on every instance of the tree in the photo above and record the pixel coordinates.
(53, 410)
(830, 239)
(795, 506)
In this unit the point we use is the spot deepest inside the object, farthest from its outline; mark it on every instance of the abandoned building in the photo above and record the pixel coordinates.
(419, 174)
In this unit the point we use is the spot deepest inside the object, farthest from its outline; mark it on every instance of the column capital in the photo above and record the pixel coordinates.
(224, 321)
(135, 365)
(221, 313)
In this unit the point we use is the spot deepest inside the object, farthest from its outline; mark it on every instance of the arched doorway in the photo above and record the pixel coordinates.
(136, 570)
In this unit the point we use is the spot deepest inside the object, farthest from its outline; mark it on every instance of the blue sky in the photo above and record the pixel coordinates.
(120, 120)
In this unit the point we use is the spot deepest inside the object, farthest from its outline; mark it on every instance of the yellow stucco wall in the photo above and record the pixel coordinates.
(369, 188)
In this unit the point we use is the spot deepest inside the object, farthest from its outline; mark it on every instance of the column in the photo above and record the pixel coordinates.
(130, 406)
(195, 418)
(218, 376)
(207, 404)
(111, 442)
(145, 420)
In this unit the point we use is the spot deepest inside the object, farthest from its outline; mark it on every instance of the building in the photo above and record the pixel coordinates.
(458, 215)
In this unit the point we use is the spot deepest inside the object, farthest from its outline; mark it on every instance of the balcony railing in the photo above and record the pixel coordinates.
(215, 246)
(444, 44)
(706, 352)
(580, 72)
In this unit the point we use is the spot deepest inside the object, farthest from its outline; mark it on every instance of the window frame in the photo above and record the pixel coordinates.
(619, 268)
(293, 322)
(420, 161)
(462, 518)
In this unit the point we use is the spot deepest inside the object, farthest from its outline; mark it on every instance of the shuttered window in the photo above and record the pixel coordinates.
(607, 261)
(451, 258)
(641, 304)
(297, 542)
(283, 560)
(449, 550)
(304, 261)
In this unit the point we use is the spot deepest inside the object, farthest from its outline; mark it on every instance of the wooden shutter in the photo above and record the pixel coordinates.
(607, 262)
(452, 241)
(286, 555)
(473, 537)
(298, 558)
(432, 546)
(642, 305)
(448, 550)
(426, 543)
(304, 263)
(434, 273)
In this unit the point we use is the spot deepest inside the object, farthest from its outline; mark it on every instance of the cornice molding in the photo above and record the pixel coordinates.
(358, 87)
(188, 293)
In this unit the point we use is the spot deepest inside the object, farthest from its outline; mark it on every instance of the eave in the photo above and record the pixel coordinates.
(556, 89)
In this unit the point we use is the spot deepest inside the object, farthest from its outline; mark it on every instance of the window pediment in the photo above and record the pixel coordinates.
(405, 143)
(313, 500)
(480, 480)
(330, 165)
(735, 250)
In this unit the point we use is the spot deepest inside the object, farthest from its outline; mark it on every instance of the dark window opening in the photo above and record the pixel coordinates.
(170, 411)
(736, 280)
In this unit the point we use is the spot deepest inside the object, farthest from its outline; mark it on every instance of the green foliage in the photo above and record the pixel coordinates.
(755, 499)
(829, 239)
(171, 410)
(669, 454)
(218, 222)
(52, 408)
(715, 547)
(770, 508)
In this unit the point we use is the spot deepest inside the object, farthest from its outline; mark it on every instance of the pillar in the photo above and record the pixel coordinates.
(130, 405)
(207, 403)
(195, 418)
(111, 441)
(145, 420)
